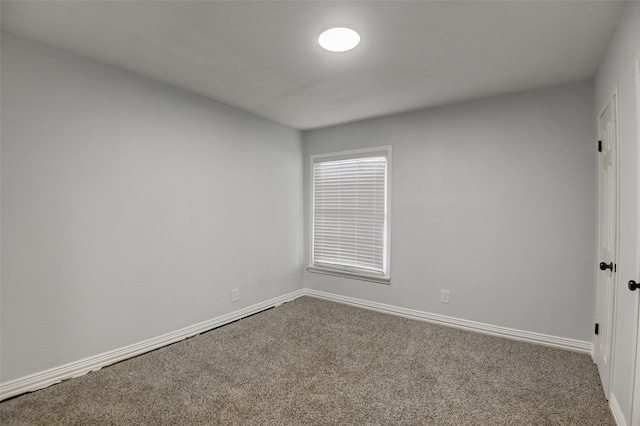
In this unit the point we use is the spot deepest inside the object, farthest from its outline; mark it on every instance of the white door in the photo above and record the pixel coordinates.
(635, 412)
(607, 242)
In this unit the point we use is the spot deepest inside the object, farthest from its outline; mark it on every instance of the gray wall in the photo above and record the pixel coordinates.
(131, 209)
(494, 200)
(618, 68)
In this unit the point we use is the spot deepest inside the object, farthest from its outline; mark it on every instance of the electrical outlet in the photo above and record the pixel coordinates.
(234, 295)
(444, 296)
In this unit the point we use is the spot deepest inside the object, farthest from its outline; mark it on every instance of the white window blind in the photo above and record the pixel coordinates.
(350, 214)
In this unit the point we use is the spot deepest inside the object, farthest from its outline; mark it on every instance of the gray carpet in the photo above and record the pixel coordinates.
(312, 362)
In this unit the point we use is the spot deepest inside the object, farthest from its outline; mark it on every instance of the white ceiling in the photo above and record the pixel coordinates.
(263, 56)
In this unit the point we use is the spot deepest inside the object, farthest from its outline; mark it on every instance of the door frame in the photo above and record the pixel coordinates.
(612, 96)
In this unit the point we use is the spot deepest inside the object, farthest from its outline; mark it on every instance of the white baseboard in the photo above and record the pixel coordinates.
(494, 330)
(616, 411)
(78, 368)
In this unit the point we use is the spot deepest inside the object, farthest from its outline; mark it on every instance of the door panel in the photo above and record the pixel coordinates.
(635, 411)
(607, 242)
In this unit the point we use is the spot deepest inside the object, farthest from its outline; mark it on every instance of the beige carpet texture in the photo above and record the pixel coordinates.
(313, 362)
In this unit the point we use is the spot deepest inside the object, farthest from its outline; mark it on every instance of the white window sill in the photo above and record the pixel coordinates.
(351, 275)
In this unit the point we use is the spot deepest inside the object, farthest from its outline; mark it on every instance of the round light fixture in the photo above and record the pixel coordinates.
(339, 39)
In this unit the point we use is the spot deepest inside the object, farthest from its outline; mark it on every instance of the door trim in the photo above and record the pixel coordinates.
(614, 96)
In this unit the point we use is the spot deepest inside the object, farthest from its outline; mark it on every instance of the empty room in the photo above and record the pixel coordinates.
(320, 212)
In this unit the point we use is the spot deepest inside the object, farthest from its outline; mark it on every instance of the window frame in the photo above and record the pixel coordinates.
(346, 272)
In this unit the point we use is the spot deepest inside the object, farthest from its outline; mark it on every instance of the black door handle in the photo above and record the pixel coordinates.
(633, 285)
(604, 266)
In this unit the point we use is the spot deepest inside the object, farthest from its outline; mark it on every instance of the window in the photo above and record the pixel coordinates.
(350, 214)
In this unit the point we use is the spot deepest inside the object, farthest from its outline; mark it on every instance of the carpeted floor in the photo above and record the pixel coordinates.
(312, 362)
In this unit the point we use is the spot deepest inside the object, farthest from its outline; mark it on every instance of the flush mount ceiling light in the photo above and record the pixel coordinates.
(339, 39)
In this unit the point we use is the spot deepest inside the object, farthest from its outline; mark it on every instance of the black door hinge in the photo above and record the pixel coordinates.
(597, 327)
(599, 146)
(615, 267)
